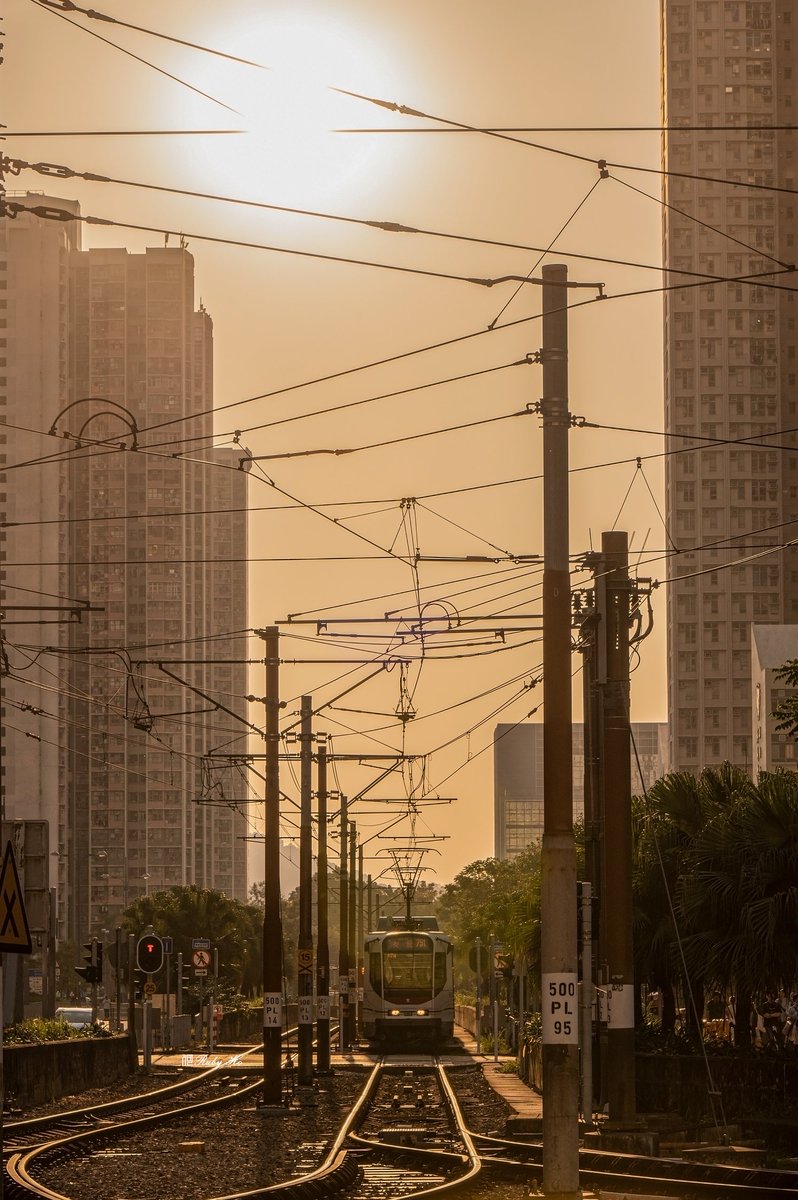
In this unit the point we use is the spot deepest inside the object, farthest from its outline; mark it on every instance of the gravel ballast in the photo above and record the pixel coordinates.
(240, 1148)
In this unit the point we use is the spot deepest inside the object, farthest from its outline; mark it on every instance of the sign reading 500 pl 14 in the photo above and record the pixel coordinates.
(560, 1016)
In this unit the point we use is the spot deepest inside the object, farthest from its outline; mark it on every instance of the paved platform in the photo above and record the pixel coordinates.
(524, 1102)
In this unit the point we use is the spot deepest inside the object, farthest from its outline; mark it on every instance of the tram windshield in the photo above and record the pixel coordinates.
(411, 971)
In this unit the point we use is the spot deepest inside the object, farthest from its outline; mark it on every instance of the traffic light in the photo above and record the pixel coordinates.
(149, 953)
(92, 954)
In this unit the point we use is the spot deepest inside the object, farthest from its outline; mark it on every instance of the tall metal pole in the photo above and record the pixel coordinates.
(590, 632)
(133, 1054)
(119, 973)
(558, 893)
(352, 924)
(478, 1013)
(272, 921)
(343, 931)
(359, 953)
(369, 904)
(586, 906)
(614, 588)
(323, 955)
(305, 939)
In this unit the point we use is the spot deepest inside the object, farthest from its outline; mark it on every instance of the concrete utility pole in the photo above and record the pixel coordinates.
(272, 921)
(558, 895)
(305, 938)
(613, 590)
(323, 953)
(343, 931)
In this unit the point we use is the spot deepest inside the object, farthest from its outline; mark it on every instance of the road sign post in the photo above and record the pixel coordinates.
(15, 938)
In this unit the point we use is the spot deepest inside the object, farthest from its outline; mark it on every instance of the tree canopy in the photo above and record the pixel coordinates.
(185, 913)
(491, 898)
(716, 885)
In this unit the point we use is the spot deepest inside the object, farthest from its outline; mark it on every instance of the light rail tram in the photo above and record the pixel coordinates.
(408, 987)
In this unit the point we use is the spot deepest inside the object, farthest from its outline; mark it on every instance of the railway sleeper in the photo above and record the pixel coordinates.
(338, 1176)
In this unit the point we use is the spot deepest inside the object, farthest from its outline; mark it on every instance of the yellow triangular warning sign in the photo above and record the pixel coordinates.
(14, 931)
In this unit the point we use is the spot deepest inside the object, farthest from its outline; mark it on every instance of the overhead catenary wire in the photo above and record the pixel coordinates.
(46, 7)
(704, 442)
(389, 226)
(65, 6)
(115, 133)
(406, 110)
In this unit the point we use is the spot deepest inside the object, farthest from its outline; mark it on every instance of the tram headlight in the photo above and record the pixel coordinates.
(421, 1012)
(395, 1012)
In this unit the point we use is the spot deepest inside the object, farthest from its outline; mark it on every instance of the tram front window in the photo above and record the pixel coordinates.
(407, 969)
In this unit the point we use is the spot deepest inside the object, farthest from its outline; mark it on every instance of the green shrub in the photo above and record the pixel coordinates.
(38, 1029)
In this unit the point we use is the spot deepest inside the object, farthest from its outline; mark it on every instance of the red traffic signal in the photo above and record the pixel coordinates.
(149, 953)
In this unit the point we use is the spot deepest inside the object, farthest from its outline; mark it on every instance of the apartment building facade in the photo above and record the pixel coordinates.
(34, 386)
(151, 530)
(729, 88)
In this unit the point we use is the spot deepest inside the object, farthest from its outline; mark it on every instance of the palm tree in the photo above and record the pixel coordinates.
(678, 809)
(750, 873)
(729, 851)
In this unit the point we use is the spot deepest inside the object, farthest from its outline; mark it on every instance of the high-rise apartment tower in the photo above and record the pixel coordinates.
(729, 90)
(135, 512)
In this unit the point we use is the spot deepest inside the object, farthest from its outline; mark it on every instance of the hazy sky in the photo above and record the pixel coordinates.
(282, 320)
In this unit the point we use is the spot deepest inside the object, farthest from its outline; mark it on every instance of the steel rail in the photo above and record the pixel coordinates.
(30, 1125)
(18, 1165)
(611, 1167)
(21, 1185)
(445, 1158)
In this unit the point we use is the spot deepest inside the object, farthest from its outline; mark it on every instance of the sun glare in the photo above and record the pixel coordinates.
(291, 153)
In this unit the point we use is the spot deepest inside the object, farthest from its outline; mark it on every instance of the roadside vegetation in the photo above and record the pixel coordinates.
(715, 906)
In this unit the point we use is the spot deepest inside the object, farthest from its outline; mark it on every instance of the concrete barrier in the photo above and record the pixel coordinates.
(43, 1072)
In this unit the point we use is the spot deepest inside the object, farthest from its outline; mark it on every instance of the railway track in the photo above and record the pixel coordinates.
(605, 1169)
(33, 1132)
(37, 1142)
(404, 1137)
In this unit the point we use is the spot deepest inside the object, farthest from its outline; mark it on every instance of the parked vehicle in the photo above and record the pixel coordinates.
(76, 1018)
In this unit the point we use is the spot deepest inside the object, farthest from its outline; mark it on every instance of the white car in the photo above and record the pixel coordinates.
(76, 1018)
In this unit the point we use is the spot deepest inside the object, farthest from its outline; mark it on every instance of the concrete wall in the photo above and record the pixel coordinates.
(759, 1084)
(239, 1026)
(39, 1074)
(465, 1015)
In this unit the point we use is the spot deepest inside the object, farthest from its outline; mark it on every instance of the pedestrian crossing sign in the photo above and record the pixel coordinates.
(14, 930)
